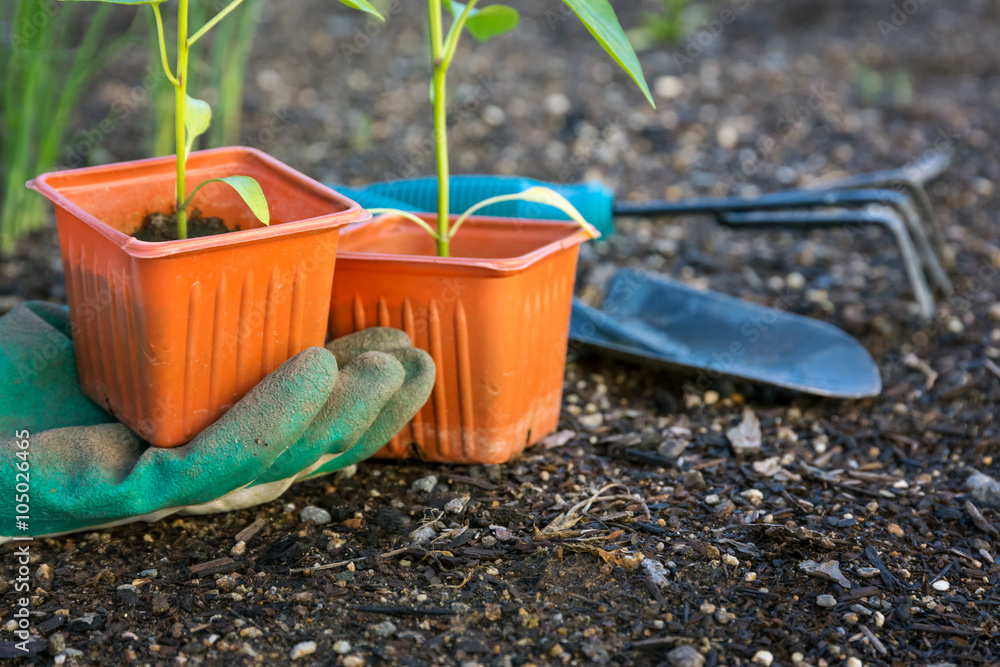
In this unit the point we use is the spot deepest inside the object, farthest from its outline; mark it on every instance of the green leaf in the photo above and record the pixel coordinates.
(405, 214)
(488, 21)
(364, 6)
(537, 195)
(197, 118)
(247, 188)
(599, 18)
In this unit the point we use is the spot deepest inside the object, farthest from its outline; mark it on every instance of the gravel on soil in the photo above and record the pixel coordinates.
(845, 534)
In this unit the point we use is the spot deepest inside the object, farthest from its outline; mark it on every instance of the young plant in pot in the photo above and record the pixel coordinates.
(233, 277)
(489, 298)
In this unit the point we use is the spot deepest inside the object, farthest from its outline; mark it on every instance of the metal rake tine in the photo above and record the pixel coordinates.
(912, 177)
(922, 170)
(800, 199)
(791, 199)
(873, 214)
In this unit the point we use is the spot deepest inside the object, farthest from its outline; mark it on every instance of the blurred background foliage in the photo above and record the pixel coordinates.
(50, 54)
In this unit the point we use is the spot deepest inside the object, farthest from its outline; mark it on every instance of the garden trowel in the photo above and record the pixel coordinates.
(649, 318)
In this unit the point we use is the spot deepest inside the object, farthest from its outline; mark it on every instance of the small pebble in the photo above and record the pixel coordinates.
(225, 583)
(425, 484)
(57, 643)
(557, 104)
(341, 646)
(317, 515)
(711, 397)
(693, 479)
(867, 572)
(668, 87)
(352, 661)
(941, 585)
(502, 533)
(385, 629)
(861, 610)
(302, 649)
(685, 656)
(826, 601)
(722, 616)
(750, 576)
(250, 632)
(984, 489)
(730, 560)
(423, 535)
(494, 115)
(763, 658)
(798, 657)
(457, 505)
(853, 662)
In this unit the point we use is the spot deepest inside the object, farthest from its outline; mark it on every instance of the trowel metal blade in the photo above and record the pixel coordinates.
(651, 318)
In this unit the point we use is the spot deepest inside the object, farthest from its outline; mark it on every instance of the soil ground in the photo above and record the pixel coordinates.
(163, 227)
(758, 96)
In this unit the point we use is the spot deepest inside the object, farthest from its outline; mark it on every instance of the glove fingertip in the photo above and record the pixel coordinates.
(420, 371)
(381, 339)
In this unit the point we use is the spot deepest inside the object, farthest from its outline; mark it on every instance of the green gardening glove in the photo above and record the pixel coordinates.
(320, 411)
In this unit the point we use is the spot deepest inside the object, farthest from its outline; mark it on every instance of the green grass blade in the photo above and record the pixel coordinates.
(45, 73)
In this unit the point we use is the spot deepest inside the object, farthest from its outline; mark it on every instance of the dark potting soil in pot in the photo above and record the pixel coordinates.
(163, 227)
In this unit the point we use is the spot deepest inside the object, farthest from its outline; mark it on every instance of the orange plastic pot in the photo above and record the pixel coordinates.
(170, 335)
(494, 316)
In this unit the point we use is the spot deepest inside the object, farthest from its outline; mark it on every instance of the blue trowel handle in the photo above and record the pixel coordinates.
(594, 200)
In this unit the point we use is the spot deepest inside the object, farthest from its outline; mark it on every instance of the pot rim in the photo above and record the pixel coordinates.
(351, 213)
(575, 235)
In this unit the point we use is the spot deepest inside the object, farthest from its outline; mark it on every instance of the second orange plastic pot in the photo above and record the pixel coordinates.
(170, 335)
(494, 316)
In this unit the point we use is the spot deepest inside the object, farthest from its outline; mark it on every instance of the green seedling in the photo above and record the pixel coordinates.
(484, 23)
(192, 117)
(226, 55)
(668, 26)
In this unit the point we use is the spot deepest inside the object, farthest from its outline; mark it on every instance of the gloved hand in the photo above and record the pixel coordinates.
(320, 411)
